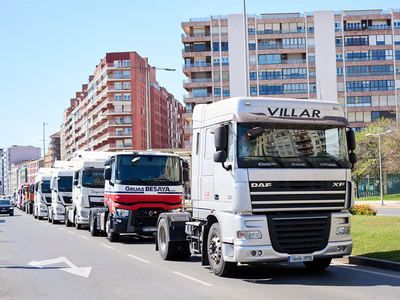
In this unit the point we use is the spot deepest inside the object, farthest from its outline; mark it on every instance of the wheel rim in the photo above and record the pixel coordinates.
(162, 238)
(108, 227)
(215, 249)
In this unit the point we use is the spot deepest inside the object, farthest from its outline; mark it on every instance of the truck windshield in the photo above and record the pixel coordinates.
(46, 186)
(4, 202)
(93, 178)
(148, 169)
(65, 184)
(285, 147)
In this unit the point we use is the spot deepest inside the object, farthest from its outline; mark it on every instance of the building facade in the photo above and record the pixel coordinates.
(1, 172)
(14, 155)
(53, 151)
(109, 112)
(351, 56)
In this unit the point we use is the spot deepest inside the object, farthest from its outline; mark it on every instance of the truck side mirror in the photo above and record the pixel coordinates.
(220, 156)
(185, 175)
(107, 174)
(351, 140)
(352, 158)
(221, 138)
(76, 182)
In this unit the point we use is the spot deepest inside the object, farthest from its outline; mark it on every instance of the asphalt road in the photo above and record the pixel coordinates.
(132, 269)
(386, 211)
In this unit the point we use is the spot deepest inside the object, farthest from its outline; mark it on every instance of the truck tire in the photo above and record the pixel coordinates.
(11, 214)
(48, 216)
(40, 218)
(93, 226)
(54, 221)
(318, 264)
(111, 236)
(67, 222)
(166, 248)
(77, 226)
(214, 252)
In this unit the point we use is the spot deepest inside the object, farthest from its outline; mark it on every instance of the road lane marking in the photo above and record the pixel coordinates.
(365, 271)
(72, 268)
(84, 237)
(108, 247)
(192, 278)
(138, 258)
(71, 232)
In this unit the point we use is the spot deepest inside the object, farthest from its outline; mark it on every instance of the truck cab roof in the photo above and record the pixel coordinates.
(263, 109)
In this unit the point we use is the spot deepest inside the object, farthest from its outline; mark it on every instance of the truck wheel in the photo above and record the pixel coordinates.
(93, 226)
(11, 214)
(40, 218)
(167, 249)
(67, 222)
(318, 264)
(184, 250)
(111, 236)
(48, 217)
(215, 256)
(77, 226)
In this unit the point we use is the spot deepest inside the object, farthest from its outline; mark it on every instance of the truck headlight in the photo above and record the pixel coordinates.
(249, 235)
(84, 214)
(121, 213)
(60, 209)
(341, 230)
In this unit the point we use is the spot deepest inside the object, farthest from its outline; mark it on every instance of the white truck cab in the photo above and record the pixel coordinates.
(270, 181)
(42, 193)
(87, 191)
(61, 194)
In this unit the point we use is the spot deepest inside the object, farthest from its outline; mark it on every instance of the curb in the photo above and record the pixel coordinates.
(372, 262)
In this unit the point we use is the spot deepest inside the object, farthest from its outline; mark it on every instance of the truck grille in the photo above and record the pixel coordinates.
(299, 234)
(297, 195)
(67, 199)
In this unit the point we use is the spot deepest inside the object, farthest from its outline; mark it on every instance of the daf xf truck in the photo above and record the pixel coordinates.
(270, 181)
(139, 186)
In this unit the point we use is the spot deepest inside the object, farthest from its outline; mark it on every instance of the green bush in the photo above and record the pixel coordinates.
(363, 209)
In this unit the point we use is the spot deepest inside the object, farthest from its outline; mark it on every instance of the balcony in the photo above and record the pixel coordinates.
(199, 64)
(111, 66)
(204, 98)
(197, 82)
(267, 31)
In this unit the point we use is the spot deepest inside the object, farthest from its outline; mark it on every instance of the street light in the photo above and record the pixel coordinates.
(148, 134)
(380, 158)
(44, 139)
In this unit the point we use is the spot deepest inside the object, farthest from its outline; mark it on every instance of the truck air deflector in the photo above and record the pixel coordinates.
(330, 121)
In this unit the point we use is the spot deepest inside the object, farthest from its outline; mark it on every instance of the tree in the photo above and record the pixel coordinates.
(368, 153)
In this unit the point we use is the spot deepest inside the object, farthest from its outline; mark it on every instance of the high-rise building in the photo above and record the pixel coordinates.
(350, 56)
(109, 112)
(53, 151)
(14, 155)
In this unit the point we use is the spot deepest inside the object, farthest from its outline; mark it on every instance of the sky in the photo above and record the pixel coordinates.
(49, 48)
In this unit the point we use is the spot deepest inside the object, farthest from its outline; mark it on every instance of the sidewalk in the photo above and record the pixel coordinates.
(378, 204)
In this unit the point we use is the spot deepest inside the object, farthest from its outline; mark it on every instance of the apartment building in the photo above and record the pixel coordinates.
(13, 156)
(350, 56)
(53, 151)
(109, 112)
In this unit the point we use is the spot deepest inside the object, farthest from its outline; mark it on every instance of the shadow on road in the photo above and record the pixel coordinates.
(297, 274)
(387, 255)
(30, 267)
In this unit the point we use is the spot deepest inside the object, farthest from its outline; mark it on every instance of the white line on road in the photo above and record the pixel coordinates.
(84, 237)
(71, 232)
(108, 247)
(192, 278)
(138, 258)
(348, 267)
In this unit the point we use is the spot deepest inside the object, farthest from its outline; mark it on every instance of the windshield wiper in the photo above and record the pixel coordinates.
(163, 180)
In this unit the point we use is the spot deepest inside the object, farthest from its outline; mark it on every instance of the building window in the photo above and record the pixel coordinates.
(266, 59)
(253, 75)
(126, 63)
(271, 89)
(362, 101)
(126, 85)
(117, 63)
(217, 92)
(127, 97)
(117, 74)
(252, 45)
(253, 91)
(117, 97)
(126, 74)
(118, 85)
(226, 92)
(225, 60)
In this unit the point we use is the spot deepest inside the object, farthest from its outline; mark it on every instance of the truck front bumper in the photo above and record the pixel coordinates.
(58, 216)
(261, 254)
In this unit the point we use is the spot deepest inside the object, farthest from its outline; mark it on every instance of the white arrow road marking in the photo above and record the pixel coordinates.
(139, 258)
(73, 269)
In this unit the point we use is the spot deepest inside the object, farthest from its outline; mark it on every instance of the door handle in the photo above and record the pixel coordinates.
(216, 197)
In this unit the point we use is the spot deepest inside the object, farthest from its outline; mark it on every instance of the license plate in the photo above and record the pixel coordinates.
(300, 258)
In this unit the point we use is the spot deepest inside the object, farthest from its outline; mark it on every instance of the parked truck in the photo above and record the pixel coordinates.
(270, 181)
(61, 194)
(42, 193)
(139, 186)
(88, 187)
